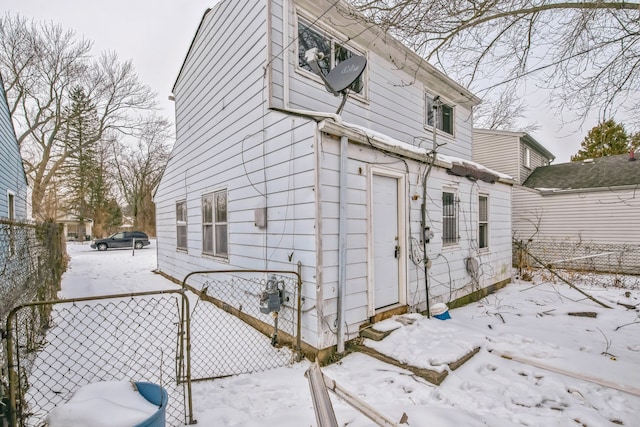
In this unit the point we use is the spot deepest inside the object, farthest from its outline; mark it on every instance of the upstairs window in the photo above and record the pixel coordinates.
(181, 225)
(332, 50)
(440, 113)
(483, 222)
(449, 218)
(527, 158)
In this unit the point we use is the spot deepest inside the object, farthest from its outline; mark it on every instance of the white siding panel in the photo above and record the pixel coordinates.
(607, 217)
(448, 277)
(498, 152)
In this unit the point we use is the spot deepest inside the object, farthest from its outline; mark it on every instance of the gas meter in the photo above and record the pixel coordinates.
(272, 296)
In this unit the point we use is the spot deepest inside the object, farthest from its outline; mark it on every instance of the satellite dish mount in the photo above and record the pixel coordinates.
(341, 77)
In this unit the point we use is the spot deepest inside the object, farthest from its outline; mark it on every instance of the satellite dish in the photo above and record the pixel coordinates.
(345, 73)
(341, 77)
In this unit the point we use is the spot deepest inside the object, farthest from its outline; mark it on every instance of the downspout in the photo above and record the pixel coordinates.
(342, 242)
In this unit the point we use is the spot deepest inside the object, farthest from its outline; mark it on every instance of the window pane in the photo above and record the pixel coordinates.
(447, 119)
(221, 239)
(182, 236)
(181, 211)
(482, 209)
(309, 38)
(221, 206)
(207, 238)
(342, 54)
(449, 219)
(181, 225)
(443, 115)
(207, 209)
(483, 236)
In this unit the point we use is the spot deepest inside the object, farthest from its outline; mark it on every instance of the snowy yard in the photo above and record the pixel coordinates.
(563, 369)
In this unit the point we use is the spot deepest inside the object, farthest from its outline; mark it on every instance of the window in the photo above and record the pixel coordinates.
(483, 222)
(11, 199)
(441, 113)
(181, 224)
(527, 158)
(332, 50)
(214, 224)
(449, 219)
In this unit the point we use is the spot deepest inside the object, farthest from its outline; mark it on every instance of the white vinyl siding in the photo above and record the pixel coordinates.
(498, 151)
(606, 216)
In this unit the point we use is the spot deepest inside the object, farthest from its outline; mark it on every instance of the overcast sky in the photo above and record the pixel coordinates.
(156, 35)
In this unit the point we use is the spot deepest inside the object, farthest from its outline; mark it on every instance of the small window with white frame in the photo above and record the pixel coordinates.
(214, 224)
(449, 218)
(483, 221)
(440, 113)
(527, 158)
(332, 51)
(181, 225)
(11, 205)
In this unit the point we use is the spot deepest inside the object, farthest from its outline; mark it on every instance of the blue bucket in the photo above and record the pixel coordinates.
(157, 396)
(440, 311)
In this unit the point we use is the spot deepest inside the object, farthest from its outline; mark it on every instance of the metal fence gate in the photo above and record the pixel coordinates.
(243, 321)
(133, 337)
(221, 342)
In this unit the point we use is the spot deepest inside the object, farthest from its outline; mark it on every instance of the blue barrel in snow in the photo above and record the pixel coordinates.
(440, 311)
(157, 396)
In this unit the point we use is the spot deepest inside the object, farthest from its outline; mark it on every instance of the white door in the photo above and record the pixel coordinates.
(386, 242)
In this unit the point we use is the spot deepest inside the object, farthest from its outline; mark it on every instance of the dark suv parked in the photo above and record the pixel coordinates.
(124, 239)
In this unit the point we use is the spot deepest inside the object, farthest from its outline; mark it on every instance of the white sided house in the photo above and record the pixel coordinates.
(264, 175)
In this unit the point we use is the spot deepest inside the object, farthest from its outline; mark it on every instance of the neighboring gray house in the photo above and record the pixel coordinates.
(264, 174)
(516, 154)
(591, 201)
(13, 181)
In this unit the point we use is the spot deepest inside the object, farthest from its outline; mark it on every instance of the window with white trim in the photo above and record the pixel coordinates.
(449, 218)
(181, 224)
(214, 224)
(332, 50)
(527, 158)
(439, 112)
(11, 206)
(483, 222)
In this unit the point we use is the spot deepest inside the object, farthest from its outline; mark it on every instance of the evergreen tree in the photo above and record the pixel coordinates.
(605, 139)
(81, 169)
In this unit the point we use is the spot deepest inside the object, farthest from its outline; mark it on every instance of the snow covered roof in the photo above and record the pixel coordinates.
(455, 165)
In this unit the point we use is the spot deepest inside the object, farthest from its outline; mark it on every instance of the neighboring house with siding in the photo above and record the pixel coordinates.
(13, 181)
(591, 201)
(516, 154)
(264, 175)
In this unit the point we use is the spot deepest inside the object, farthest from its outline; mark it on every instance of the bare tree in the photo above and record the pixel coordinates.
(586, 53)
(140, 168)
(41, 63)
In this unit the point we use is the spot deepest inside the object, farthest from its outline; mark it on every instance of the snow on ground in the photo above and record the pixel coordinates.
(563, 370)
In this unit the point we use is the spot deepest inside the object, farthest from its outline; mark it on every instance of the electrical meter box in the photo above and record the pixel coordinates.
(272, 297)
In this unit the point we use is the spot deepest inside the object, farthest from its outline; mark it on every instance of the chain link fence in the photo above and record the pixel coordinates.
(603, 264)
(241, 322)
(221, 342)
(136, 337)
(32, 260)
